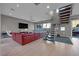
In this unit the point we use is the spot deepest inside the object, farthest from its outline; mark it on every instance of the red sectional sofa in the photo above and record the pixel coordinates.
(24, 38)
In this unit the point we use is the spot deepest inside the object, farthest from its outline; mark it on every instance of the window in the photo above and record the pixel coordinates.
(62, 28)
(47, 25)
(39, 26)
(75, 23)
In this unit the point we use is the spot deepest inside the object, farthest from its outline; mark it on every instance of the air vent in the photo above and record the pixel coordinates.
(12, 9)
(36, 4)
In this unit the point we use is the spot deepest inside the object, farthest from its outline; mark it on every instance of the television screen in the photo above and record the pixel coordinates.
(23, 25)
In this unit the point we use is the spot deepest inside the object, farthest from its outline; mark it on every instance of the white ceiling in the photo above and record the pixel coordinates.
(29, 11)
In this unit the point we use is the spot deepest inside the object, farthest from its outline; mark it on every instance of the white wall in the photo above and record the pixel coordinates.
(0, 23)
(11, 24)
(75, 10)
(67, 32)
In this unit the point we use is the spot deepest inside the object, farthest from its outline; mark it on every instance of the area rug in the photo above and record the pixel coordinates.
(63, 40)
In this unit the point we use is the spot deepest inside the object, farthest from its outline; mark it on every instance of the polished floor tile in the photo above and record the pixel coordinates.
(8, 47)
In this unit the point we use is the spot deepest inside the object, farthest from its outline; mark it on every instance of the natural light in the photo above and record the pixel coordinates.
(74, 23)
(47, 25)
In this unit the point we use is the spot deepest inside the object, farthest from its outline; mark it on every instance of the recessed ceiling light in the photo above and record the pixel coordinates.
(48, 6)
(57, 10)
(17, 5)
(51, 13)
(10, 13)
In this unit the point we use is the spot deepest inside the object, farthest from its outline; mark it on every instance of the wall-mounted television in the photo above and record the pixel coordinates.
(23, 25)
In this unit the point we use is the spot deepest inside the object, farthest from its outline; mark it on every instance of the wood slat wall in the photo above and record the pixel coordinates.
(64, 13)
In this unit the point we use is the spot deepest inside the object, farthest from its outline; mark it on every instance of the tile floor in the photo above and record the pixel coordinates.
(8, 47)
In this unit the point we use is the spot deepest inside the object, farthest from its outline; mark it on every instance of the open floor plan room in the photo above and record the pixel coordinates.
(39, 29)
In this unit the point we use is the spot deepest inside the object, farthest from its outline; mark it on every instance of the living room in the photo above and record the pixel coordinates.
(38, 28)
